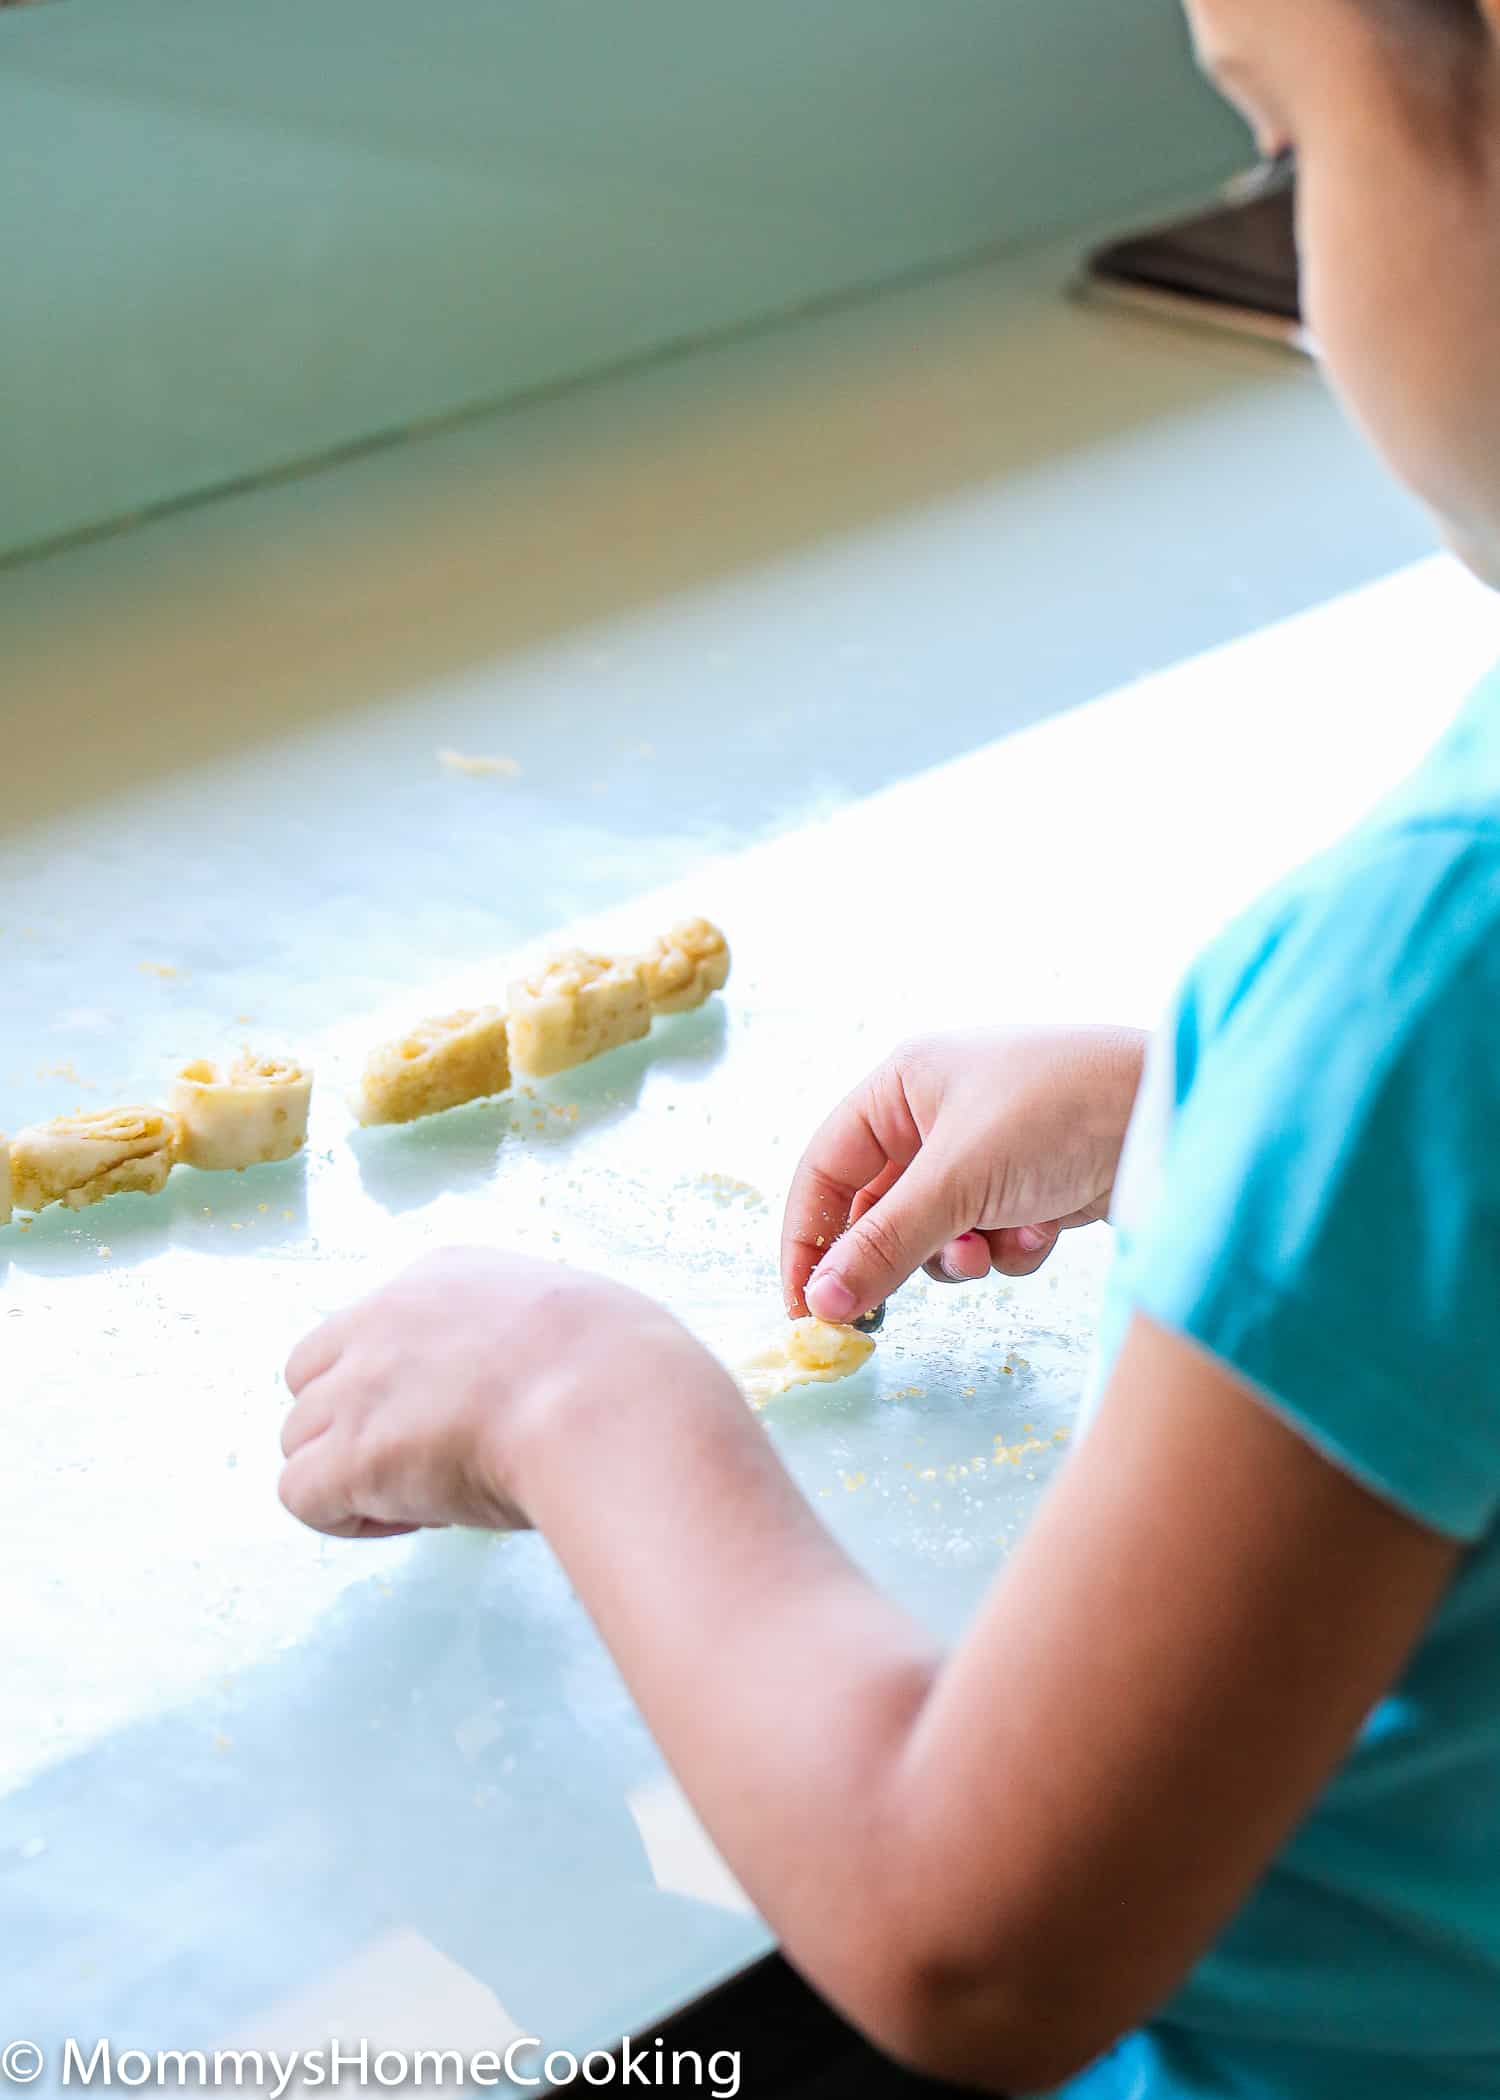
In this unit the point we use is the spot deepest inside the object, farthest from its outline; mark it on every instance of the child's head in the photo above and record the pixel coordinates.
(1393, 110)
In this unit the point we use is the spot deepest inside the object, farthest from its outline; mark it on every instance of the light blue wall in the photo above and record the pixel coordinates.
(237, 236)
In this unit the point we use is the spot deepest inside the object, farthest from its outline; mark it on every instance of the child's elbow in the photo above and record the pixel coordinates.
(980, 2034)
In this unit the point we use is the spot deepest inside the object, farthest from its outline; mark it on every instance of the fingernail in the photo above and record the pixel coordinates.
(948, 1269)
(1034, 1238)
(831, 1299)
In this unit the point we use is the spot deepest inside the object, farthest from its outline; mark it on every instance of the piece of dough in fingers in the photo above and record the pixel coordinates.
(806, 1352)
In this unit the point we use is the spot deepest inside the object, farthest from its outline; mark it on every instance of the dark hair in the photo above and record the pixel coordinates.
(1439, 46)
(1445, 14)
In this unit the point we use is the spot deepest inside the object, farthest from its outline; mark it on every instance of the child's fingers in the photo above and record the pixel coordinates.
(818, 1220)
(845, 1156)
(964, 1260)
(921, 1213)
(312, 1414)
(313, 1486)
(1021, 1250)
(870, 1195)
(316, 1352)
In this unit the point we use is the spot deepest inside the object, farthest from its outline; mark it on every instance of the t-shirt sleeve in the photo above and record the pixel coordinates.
(1328, 1223)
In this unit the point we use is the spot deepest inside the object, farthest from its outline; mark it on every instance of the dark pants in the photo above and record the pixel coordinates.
(791, 2046)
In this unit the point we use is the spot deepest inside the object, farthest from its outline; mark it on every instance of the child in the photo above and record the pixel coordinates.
(1207, 1801)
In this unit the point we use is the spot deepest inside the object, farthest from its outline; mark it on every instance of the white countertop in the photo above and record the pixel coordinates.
(262, 1785)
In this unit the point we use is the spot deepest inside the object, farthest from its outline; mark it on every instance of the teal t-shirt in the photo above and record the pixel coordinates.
(1311, 1191)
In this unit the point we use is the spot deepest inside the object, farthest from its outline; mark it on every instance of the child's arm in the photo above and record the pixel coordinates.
(993, 1863)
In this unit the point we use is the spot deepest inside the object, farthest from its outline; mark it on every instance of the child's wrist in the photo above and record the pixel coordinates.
(613, 1380)
(1113, 1080)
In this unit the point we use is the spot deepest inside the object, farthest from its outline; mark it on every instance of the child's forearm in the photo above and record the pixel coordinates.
(781, 1685)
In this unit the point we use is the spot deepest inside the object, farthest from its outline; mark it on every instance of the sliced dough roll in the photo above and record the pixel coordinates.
(574, 1008)
(78, 1159)
(247, 1116)
(440, 1064)
(685, 966)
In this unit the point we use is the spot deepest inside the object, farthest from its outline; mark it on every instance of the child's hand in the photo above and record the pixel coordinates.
(418, 1406)
(962, 1153)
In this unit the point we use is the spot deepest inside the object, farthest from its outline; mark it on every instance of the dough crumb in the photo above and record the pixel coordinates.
(69, 1071)
(1012, 1454)
(806, 1352)
(479, 766)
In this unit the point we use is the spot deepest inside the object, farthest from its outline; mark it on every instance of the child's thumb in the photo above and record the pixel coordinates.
(911, 1223)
